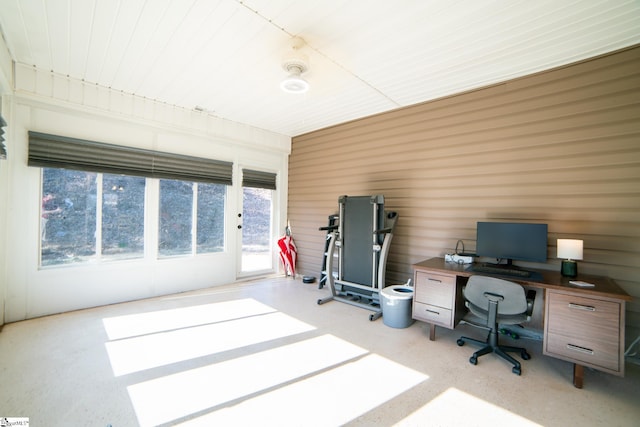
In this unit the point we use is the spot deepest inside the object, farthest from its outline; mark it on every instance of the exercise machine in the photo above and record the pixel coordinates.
(360, 245)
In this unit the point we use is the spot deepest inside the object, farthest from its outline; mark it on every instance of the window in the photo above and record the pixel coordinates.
(256, 229)
(93, 200)
(177, 217)
(122, 216)
(68, 216)
(71, 215)
(210, 235)
(176, 207)
(257, 209)
(87, 216)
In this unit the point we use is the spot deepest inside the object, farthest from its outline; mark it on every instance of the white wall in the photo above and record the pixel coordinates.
(5, 89)
(57, 105)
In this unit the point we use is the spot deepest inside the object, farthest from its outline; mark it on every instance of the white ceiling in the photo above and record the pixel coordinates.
(366, 56)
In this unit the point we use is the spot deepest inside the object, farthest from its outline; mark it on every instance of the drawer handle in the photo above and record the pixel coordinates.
(431, 311)
(434, 280)
(582, 307)
(580, 349)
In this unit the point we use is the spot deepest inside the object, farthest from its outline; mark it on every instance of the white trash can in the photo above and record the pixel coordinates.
(396, 301)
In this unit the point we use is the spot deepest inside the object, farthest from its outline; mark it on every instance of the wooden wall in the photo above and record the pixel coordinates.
(560, 147)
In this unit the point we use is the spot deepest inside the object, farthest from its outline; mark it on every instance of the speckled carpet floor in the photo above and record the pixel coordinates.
(264, 353)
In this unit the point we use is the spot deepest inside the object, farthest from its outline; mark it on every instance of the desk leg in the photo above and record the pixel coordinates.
(432, 332)
(578, 375)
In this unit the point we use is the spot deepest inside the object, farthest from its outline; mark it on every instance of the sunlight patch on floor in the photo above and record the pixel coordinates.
(457, 408)
(132, 325)
(179, 395)
(334, 397)
(159, 349)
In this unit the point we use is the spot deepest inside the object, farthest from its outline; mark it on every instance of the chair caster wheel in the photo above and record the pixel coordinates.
(516, 370)
(473, 360)
(460, 342)
(525, 355)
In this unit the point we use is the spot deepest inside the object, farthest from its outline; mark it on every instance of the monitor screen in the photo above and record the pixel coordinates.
(512, 241)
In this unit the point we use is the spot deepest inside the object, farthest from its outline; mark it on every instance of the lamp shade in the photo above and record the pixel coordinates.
(569, 249)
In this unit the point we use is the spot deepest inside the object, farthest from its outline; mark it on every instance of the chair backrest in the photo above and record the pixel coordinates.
(515, 300)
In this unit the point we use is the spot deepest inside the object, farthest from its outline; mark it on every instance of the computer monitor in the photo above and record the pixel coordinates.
(512, 241)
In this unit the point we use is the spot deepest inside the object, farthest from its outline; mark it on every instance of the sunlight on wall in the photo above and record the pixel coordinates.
(457, 408)
(176, 396)
(346, 392)
(159, 349)
(165, 320)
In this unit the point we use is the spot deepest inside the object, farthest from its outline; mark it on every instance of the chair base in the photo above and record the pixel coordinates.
(491, 346)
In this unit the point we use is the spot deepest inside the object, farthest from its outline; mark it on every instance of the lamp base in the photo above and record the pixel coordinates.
(569, 268)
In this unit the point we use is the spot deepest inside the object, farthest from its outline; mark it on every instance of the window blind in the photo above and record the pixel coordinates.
(54, 151)
(3, 148)
(258, 179)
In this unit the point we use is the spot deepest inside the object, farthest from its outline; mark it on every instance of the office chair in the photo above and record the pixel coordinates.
(497, 301)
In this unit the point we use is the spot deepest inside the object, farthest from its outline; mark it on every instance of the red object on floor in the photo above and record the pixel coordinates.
(288, 254)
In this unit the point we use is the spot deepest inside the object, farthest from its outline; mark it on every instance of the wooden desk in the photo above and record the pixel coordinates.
(584, 326)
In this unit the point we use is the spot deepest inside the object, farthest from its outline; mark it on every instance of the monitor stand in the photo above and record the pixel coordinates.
(508, 266)
(507, 269)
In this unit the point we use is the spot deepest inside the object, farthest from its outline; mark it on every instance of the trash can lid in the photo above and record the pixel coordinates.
(398, 292)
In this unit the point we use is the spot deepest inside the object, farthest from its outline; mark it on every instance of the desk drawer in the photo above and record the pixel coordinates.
(435, 289)
(596, 353)
(584, 318)
(583, 330)
(433, 314)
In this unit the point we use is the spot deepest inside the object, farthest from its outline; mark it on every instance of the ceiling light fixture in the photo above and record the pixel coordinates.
(295, 63)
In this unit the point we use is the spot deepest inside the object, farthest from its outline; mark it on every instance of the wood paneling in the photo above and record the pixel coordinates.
(560, 147)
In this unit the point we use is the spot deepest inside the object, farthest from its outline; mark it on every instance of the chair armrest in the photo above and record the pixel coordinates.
(531, 297)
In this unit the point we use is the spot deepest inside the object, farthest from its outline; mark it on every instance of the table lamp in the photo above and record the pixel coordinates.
(570, 250)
